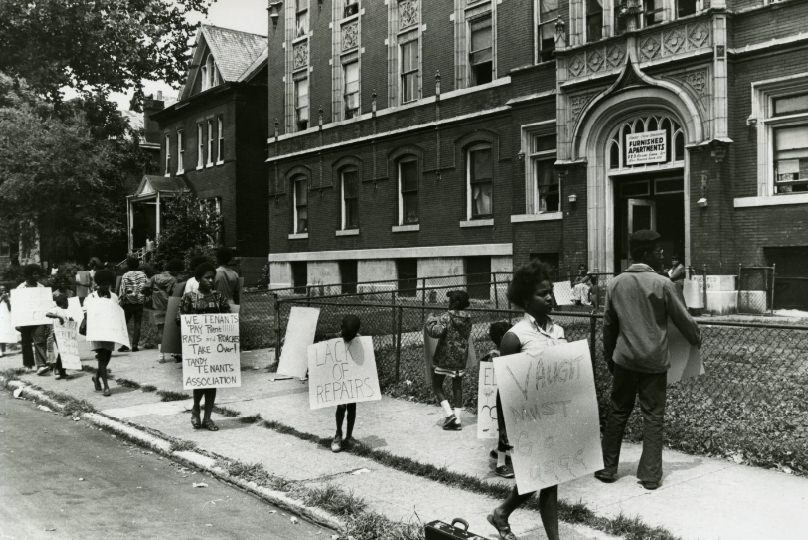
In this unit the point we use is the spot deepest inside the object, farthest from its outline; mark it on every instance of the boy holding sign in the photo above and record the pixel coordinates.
(349, 329)
(61, 313)
(532, 290)
(203, 300)
(35, 335)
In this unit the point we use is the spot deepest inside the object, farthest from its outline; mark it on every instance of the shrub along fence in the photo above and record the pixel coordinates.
(751, 405)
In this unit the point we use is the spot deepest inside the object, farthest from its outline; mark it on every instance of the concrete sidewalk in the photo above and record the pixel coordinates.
(700, 497)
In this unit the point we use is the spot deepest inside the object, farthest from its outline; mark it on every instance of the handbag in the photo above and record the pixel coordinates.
(83, 326)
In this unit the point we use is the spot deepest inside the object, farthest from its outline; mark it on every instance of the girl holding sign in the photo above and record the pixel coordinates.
(532, 290)
(203, 300)
(104, 280)
(349, 329)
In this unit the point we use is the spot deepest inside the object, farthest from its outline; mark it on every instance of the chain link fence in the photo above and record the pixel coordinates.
(751, 405)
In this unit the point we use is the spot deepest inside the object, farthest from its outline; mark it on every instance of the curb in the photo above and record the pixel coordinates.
(185, 457)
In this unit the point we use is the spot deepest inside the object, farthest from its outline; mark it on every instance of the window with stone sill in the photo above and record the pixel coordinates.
(349, 188)
(686, 7)
(301, 103)
(653, 12)
(543, 189)
(350, 72)
(481, 50)
(301, 18)
(409, 69)
(408, 190)
(351, 8)
(546, 13)
(200, 146)
(479, 182)
(168, 155)
(300, 207)
(220, 149)
(180, 151)
(210, 143)
(593, 18)
(789, 129)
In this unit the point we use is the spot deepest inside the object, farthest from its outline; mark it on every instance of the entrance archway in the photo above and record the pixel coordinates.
(607, 122)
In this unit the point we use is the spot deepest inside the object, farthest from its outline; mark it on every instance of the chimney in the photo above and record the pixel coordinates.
(151, 105)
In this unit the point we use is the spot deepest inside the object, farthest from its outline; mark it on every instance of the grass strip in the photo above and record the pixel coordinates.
(170, 395)
(126, 383)
(631, 528)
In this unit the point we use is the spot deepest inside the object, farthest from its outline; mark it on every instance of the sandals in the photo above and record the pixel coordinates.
(97, 383)
(195, 421)
(209, 425)
(502, 526)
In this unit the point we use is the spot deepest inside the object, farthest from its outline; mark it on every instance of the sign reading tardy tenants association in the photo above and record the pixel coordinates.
(647, 147)
(210, 351)
(551, 414)
(342, 372)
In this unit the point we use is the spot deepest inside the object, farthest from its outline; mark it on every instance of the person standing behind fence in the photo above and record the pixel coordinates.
(227, 280)
(203, 300)
(452, 329)
(132, 299)
(532, 290)
(349, 329)
(635, 343)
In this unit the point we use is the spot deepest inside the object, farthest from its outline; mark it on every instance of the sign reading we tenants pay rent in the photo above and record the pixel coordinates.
(210, 351)
(342, 372)
(647, 147)
(551, 414)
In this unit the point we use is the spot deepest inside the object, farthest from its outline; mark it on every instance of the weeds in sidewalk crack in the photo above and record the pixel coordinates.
(148, 388)
(224, 411)
(181, 445)
(127, 383)
(169, 395)
(335, 500)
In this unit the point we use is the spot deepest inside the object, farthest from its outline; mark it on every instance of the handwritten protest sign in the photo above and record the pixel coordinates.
(551, 414)
(487, 403)
(67, 340)
(105, 321)
(171, 343)
(299, 335)
(7, 332)
(211, 355)
(29, 306)
(342, 374)
(74, 308)
(685, 358)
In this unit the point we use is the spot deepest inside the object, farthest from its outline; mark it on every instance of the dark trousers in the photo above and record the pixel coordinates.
(134, 311)
(36, 336)
(651, 388)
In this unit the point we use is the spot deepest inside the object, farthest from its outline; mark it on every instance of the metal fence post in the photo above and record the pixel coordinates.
(393, 320)
(704, 286)
(771, 298)
(277, 307)
(496, 290)
(593, 332)
(399, 330)
(510, 308)
(423, 301)
(738, 291)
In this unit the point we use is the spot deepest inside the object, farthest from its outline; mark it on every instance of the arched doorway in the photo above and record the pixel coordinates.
(631, 174)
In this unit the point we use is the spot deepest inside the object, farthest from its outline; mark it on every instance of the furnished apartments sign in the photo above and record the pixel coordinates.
(648, 147)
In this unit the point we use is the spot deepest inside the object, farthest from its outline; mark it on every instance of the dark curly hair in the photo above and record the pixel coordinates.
(497, 330)
(458, 299)
(30, 269)
(104, 277)
(200, 270)
(525, 280)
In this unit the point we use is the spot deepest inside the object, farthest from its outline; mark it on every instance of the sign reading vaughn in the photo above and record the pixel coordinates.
(648, 147)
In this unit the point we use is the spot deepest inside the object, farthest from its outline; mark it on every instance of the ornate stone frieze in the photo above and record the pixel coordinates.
(407, 13)
(577, 105)
(350, 35)
(300, 54)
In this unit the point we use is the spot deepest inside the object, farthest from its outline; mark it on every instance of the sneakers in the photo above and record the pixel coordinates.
(336, 444)
(452, 424)
(43, 370)
(504, 471)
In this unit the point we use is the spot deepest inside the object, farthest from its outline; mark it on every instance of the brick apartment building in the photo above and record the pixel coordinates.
(421, 138)
(212, 143)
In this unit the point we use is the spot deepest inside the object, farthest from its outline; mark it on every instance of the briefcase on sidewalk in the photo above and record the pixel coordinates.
(440, 530)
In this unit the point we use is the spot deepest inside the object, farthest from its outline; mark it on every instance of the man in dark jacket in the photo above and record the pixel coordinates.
(635, 340)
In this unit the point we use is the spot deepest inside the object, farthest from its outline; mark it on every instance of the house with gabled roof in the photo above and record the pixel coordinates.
(213, 144)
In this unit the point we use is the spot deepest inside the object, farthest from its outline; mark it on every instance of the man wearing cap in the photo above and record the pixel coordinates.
(635, 340)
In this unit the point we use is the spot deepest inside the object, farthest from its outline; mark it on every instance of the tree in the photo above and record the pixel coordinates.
(96, 46)
(190, 227)
(59, 174)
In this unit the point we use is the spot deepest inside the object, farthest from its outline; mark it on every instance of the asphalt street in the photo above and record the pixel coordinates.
(61, 479)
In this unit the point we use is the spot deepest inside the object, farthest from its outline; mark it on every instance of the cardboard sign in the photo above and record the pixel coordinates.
(551, 414)
(693, 294)
(487, 427)
(67, 340)
(299, 335)
(105, 321)
(342, 373)
(29, 306)
(74, 308)
(171, 343)
(685, 358)
(7, 332)
(646, 147)
(211, 355)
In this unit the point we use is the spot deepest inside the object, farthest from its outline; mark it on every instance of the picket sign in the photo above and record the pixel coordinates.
(74, 308)
(171, 343)
(551, 414)
(342, 373)
(211, 354)
(487, 427)
(29, 306)
(67, 341)
(300, 331)
(7, 332)
(106, 321)
(685, 358)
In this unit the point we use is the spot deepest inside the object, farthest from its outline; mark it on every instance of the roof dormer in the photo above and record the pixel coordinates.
(209, 73)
